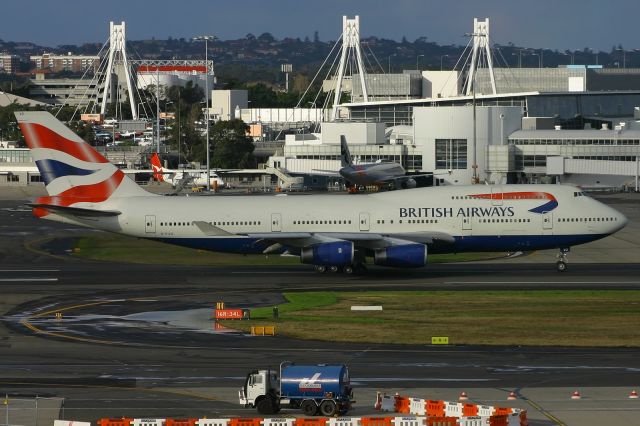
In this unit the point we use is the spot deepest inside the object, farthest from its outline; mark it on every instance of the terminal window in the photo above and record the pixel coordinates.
(451, 154)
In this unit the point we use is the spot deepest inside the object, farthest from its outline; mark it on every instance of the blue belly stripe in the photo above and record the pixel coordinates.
(462, 244)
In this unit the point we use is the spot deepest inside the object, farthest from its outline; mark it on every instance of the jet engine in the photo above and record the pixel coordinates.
(404, 256)
(409, 184)
(337, 253)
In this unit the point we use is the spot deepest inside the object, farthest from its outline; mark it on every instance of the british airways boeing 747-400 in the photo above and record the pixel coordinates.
(332, 232)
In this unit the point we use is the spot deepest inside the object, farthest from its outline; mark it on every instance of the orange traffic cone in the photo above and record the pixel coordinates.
(512, 396)
(378, 404)
(633, 395)
(463, 396)
(576, 395)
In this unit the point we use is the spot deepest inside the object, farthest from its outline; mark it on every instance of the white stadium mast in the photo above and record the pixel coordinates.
(481, 45)
(350, 44)
(118, 54)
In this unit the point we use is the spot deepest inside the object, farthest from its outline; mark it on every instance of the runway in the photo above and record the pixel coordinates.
(112, 354)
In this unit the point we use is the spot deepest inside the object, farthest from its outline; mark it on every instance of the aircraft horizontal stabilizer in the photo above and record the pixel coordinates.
(76, 211)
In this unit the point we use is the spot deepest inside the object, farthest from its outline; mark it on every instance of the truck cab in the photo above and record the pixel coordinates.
(261, 390)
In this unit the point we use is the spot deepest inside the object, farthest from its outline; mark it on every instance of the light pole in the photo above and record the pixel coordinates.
(206, 39)
(624, 58)
(418, 57)
(441, 58)
(390, 62)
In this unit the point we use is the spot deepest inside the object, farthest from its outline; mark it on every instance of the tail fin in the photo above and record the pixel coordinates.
(156, 165)
(345, 156)
(71, 169)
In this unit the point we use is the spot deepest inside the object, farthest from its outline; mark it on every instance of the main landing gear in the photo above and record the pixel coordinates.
(354, 269)
(561, 263)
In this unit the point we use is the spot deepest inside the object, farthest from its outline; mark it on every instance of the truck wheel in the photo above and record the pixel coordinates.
(309, 407)
(328, 408)
(265, 406)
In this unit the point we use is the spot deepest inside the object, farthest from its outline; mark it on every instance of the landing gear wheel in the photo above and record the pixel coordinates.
(309, 407)
(333, 269)
(561, 265)
(265, 406)
(348, 270)
(328, 408)
(321, 269)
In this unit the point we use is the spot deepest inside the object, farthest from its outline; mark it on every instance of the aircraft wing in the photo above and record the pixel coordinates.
(360, 239)
(75, 211)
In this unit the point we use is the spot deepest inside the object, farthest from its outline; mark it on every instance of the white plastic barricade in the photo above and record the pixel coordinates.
(409, 421)
(514, 419)
(473, 421)
(452, 409)
(388, 403)
(417, 406)
(212, 422)
(344, 421)
(148, 422)
(485, 410)
(70, 423)
(280, 421)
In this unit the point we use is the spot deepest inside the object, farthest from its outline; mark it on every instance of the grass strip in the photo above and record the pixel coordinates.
(607, 318)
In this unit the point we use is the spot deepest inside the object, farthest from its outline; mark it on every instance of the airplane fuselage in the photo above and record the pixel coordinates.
(479, 218)
(370, 174)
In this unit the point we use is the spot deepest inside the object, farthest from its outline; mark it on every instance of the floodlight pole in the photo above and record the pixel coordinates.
(206, 39)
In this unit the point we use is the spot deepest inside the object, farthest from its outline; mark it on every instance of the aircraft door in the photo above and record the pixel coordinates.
(150, 224)
(466, 224)
(496, 195)
(276, 222)
(364, 221)
(547, 220)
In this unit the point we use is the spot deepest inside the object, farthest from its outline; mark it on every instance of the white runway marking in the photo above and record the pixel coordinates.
(29, 270)
(6, 280)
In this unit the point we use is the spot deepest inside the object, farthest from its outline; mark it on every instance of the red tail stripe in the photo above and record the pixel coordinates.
(94, 193)
(39, 136)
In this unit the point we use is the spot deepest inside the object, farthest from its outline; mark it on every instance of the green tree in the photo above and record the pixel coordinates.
(232, 148)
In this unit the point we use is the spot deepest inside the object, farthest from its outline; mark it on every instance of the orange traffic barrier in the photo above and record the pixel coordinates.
(245, 422)
(435, 408)
(181, 422)
(498, 421)
(523, 418)
(442, 421)
(500, 411)
(469, 410)
(320, 421)
(377, 421)
(115, 422)
(402, 405)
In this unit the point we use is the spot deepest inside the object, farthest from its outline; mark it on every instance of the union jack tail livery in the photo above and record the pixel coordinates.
(76, 176)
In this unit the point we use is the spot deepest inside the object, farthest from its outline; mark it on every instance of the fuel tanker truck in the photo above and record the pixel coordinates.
(316, 389)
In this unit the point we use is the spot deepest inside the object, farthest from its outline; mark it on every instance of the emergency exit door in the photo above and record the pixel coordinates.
(276, 222)
(150, 224)
(364, 221)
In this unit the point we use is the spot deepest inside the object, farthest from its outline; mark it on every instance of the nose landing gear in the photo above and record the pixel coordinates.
(561, 263)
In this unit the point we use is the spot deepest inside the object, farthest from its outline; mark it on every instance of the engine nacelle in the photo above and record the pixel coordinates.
(405, 256)
(337, 253)
(409, 183)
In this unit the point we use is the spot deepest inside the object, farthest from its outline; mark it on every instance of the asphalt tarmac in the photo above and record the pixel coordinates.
(137, 341)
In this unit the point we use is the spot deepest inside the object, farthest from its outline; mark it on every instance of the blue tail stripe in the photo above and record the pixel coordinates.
(53, 169)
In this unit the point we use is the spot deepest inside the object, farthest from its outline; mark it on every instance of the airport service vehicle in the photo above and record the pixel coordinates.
(332, 232)
(182, 178)
(316, 389)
